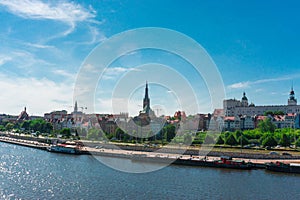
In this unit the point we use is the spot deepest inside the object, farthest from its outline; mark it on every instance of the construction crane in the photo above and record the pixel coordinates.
(82, 107)
(157, 111)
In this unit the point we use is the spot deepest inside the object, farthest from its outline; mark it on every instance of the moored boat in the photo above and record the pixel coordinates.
(283, 167)
(64, 148)
(224, 162)
(227, 162)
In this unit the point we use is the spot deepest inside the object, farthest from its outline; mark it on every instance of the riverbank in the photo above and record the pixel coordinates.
(110, 150)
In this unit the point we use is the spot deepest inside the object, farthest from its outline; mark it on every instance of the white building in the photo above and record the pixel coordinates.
(233, 107)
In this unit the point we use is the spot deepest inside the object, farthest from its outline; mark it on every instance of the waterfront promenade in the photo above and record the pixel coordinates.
(259, 160)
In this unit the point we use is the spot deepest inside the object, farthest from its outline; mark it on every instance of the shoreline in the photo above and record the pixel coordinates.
(256, 159)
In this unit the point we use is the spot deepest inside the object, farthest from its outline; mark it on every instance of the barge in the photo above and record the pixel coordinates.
(283, 167)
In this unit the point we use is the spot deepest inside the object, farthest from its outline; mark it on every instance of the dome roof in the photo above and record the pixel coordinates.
(244, 97)
(292, 92)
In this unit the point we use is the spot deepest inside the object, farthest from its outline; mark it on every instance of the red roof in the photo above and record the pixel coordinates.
(230, 118)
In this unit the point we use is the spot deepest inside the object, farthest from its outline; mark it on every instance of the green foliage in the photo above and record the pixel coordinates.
(266, 126)
(209, 139)
(230, 140)
(9, 126)
(37, 125)
(119, 133)
(269, 141)
(238, 133)
(269, 112)
(169, 132)
(187, 139)
(95, 134)
(243, 140)
(220, 140)
(297, 143)
(254, 141)
(65, 132)
(2, 128)
(285, 140)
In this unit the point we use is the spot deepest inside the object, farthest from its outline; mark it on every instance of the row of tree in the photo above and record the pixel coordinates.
(265, 135)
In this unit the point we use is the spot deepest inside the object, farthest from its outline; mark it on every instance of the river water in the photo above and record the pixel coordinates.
(27, 173)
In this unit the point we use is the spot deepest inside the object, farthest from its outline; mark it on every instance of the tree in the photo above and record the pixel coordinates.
(266, 126)
(269, 141)
(279, 112)
(9, 126)
(243, 140)
(187, 139)
(25, 125)
(220, 140)
(238, 133)
(65, 132)
(47, 127)
(230, 140)
(269, 112)
(93, 134)
(209, 139)
(2, 128)
(119, 133)
(297, 143)
(285, 140)
(169, 132)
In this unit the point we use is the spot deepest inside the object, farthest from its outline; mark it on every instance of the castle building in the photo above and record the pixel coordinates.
(292, 101)
(233, 107)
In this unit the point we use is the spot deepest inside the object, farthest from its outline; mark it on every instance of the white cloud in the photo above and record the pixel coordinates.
(247, 84)
(66, 12)
(4, 59)
(64, 73)
(239, 85)
(38, 95)
(39, 46)
(115, 72)
(22, 59)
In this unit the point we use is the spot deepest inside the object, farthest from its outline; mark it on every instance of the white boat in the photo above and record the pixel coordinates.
(63, 148)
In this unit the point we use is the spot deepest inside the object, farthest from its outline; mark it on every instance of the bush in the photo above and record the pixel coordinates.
(220, 140)
(285, 140)
(269, 141)
(230, 140)
(297, 143)
(188, 139)
(244, 141)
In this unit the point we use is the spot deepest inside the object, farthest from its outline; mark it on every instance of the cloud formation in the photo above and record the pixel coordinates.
(39, 95)
(66, 12)
(247, 84)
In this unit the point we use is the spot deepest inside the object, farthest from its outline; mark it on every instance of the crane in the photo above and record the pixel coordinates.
(82, 107)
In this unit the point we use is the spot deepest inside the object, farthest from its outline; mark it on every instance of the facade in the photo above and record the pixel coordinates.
(23, 116)
(233, 107)
(145, 116)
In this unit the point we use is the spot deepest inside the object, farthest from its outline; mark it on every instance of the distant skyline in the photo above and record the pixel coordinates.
(254, 44)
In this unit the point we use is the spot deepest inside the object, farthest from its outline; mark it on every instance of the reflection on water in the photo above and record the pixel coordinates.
(34, 174)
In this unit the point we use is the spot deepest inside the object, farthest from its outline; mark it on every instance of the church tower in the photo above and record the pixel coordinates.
(292, 101)
(146, 100)
(244, 102)
(75, 107)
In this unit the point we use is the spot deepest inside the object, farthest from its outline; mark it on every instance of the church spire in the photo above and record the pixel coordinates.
(146, 101)
(75, 107)
(146, 91)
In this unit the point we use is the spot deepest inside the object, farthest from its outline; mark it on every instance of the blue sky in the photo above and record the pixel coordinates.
(254, 44)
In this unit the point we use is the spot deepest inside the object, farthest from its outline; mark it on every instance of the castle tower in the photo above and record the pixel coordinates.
(244, 102)
(292, 101)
